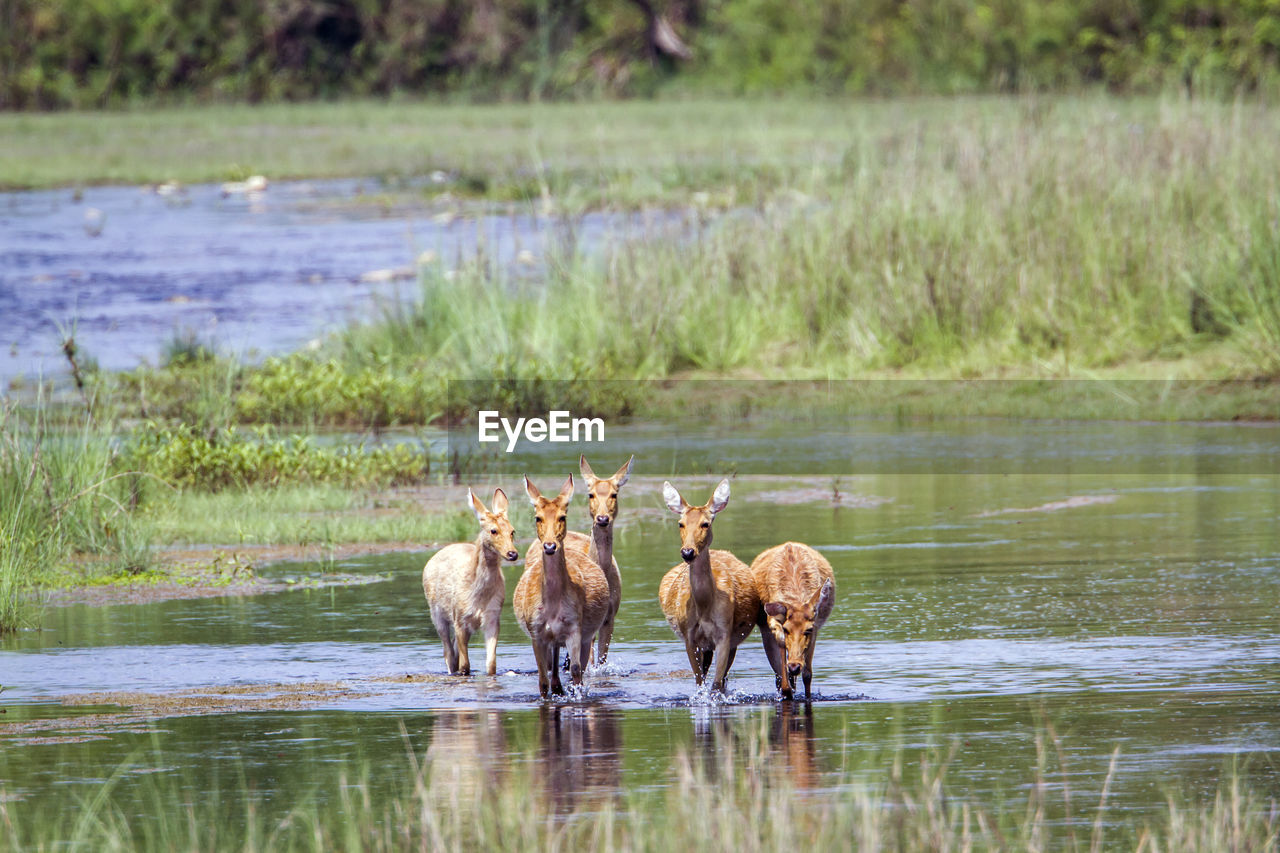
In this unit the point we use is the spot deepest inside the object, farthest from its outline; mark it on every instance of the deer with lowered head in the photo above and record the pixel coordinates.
(797, 589)
(562, 597)
(465, 589)
(709, 600)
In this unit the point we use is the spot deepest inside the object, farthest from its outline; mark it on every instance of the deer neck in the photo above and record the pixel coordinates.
(702, 586)
(485, 564)
(601, 548)
(555, 576)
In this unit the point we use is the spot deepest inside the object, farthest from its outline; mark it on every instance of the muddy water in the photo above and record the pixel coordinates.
(1129, 610)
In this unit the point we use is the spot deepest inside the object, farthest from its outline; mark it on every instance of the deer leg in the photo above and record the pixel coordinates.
(462, 635)
(540, 652)
(724, 657)
(774, 654)
(556, 686)
(491, 646)
(584, 651)
(445, 630)
(694, 663)
(602, 642)
(808, 664)
(706, 660)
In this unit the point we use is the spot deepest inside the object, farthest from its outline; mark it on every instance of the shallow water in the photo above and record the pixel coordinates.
(1125, 609)
(126, 270)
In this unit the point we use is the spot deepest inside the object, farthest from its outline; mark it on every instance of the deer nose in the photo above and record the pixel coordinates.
(548, 547)
(794, 668)
(687, 554)
(513, 555)
(602, 520)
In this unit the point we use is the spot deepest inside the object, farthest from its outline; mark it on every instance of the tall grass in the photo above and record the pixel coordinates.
(318, 514)
(741, 799)
(1043, 236)
(63, 500)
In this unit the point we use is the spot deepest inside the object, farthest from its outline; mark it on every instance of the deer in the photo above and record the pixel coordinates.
(562, 597)
(465, 589)
(602, 506)
(710, 599)
(797, 589)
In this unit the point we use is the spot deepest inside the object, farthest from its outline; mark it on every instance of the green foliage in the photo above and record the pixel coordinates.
(236, 458)
(979, 236)
(64, 498)
(89, 53)
(302, 390)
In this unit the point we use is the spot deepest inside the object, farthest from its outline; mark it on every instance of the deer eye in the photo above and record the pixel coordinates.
(682, 525)
(704, 525)
(808, 632)
(494, 531)
(561, 519)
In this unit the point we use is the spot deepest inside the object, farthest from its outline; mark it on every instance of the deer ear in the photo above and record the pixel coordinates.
(672, 498)
(823, 601)
(476, 506)
(624, 474)
(720, 498)
(499, 502)
(588, 476)
(777, 610)
(566, 491)
(532, 491)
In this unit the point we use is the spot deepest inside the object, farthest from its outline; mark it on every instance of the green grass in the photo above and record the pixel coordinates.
(62, 498)
(960, 238)
(976, 238)
(640, 150)
(298, 515)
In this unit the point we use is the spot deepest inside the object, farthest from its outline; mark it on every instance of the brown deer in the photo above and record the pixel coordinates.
(797, 589)
(710, 600)
(464, 586)
(602, 505)
(562, 597)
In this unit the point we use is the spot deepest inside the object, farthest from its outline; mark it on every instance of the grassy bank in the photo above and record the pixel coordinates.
(739, 799)
(637, 150)
(87, 502)
(64, 496)
(978, 237)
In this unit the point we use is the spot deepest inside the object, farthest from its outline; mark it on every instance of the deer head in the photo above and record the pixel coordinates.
(792, 626)
(602, 492)
(695, 521)
(496, 533)
(550, 514)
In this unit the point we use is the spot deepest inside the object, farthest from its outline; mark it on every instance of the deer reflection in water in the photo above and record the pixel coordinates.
(727, 744)
(468, 754)
(580, 755)
(792, 740)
